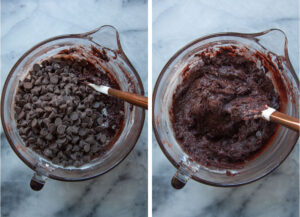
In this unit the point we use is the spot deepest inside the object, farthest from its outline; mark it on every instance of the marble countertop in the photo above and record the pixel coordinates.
(122, 191)
(176, 23)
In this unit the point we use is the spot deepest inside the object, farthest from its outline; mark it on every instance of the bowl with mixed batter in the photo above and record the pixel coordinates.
(202, 100)
(55, 123)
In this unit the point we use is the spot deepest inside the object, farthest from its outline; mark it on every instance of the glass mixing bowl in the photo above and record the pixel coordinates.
(271, 47)
(105, 38)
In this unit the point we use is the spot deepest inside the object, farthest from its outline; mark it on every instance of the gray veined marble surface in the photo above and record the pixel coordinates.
(176, 23)
(122, 191)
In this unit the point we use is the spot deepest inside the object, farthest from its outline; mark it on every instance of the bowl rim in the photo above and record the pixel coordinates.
(250, 36)
(82, 36)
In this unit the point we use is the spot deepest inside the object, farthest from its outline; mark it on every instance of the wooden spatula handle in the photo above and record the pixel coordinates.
(132, 98)
(285, 120)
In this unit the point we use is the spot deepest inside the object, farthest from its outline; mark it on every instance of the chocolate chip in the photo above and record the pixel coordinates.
(101, 137)
(53, 147)
(38, 81)
(87, 147)
(45, 122)
(65, 79)
(45, 81)
(18, 109)
(73, 156)
(21, 115)
(39, 111)
(56, 90)
(39, 142)
(21, 102)
(75, 139)
(58, 121)
(63, 107)
(70, 103)
(104, 112)
(53, 79)
(69, 110)
(44, 132)
(69, 138)
(67, 120)
(56, 66)
(258, 134)
(96, 147)
(49, 137)
(74, 88)
(90, 139)
(52, 128)
(61, 155)
(61, 85)
(28, 115)
(82, 132)
(36, 91)
(98, 129)
(90, 98)
(69, 130)
(67, 91)
(48, 68)
(31, 140)
(89, 112)
(50, 88)
(75, 148)
(48, 109)
(47, 152)
(27, 106)
(75, 130)
(84, 125)
(77, 123)
(43, 90)
(61, 129)
(85, 120)
(82, 115)
(52, 115)
(61, 141)
(23, 123)
(27, 85)
(44, 104)
(34, 123)
(36, 67)
(96, 105)
(81, 107)
(34, 99)
(90, 122)
(74, 116)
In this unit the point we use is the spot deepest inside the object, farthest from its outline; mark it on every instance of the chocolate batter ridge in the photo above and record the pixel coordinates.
(210, 107)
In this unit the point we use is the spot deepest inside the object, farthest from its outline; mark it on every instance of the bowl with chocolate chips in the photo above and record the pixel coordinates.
(199, 103)
(58, 125)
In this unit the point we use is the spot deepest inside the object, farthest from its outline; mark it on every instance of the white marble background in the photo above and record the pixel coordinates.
(122, 191)
(176, 23)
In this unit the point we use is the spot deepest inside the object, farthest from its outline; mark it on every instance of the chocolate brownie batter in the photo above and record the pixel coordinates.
(61, 118)
(210, 111)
